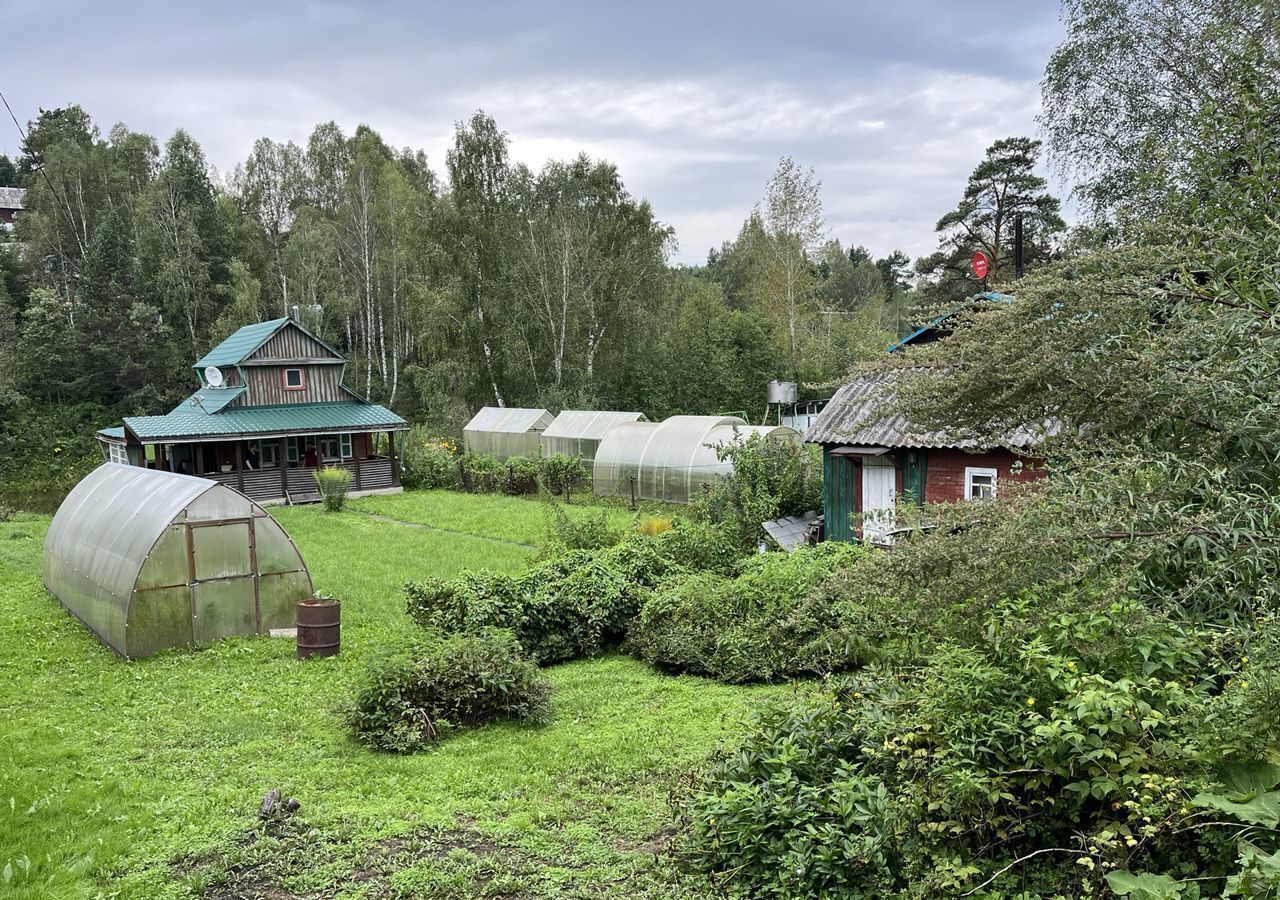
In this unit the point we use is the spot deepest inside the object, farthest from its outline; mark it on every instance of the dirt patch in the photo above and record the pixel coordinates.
(654, 845)
(259, 865)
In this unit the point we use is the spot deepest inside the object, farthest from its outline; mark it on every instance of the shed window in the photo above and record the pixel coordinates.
(118, 454)
(294, 380)
(979, 484)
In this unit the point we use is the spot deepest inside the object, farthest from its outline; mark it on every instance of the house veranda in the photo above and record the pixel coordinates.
(270, 410)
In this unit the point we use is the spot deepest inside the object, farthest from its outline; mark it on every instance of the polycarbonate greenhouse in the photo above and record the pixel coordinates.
(503, 432)
(671, 460)
(150, 559)
(577, 432)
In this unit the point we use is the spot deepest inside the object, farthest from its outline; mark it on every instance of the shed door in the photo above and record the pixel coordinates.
(877, 496)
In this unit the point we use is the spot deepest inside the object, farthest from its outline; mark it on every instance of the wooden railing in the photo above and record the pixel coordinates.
(267, 484)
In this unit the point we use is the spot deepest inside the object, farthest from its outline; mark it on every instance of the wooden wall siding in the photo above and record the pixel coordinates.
(291, 343)
(266, 386)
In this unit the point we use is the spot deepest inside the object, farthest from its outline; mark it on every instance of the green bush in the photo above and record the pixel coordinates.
(559, 609)
(521, 475)
(576, 603)
(429, 462)
(46, 451)
(770, 478)
(1098, 745)
(417, 696)
(760, 625)
(561, 475)
(482, 474)
(588, 532)
(333, 484)
(702, 546)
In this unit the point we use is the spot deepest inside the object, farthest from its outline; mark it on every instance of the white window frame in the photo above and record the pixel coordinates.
(117, 453)
(268, 454)
(341, 443)
(971, 471)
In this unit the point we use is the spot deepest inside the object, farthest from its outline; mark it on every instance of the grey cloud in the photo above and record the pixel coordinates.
(892, 104)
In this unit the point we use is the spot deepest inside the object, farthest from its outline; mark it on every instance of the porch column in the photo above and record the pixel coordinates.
(283, 458)
(391, 451)
(355, 453)
(240, 466)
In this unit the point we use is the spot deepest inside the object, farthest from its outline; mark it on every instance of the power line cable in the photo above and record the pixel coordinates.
(66, 204)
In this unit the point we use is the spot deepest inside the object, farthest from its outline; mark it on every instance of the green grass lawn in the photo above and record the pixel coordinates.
(143, 779)
(491, 515)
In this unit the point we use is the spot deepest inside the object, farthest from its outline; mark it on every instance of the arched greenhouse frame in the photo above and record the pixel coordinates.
(673, 459)
(148, 560)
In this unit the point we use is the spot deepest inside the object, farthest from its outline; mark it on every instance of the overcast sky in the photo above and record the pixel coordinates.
(891, 103)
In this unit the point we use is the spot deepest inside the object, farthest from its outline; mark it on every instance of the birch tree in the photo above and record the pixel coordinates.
(481, 221)
(270, 184)
(793, 225)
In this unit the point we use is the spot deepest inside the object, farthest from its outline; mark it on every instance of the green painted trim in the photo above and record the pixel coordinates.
(839, 496)
(914, 473)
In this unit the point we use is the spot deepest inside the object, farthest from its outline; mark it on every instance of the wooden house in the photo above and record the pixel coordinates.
(270, 409)
(871, 460)
(10, 205)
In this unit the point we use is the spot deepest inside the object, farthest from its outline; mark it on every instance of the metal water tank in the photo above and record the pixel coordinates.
(782, 392)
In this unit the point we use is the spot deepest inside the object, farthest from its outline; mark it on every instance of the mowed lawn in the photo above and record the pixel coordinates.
(143, 779)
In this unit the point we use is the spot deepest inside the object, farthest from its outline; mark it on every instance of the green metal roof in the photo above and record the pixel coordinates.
(211, 400)
(242, 343)
(116, 431)
(188, 422)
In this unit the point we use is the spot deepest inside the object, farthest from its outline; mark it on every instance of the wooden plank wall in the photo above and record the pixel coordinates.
(290, 343)
(266, 386)
(839, 496)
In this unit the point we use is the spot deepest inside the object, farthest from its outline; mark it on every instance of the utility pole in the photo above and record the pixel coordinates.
(1017, 246)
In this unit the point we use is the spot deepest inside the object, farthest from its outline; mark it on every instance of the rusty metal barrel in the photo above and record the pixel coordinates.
(319, 628)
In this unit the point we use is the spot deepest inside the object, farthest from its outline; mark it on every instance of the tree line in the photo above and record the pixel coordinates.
(484, 283)
(488, 283)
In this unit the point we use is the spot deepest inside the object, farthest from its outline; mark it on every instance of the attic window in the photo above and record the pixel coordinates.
(979, 484)
(294, 380)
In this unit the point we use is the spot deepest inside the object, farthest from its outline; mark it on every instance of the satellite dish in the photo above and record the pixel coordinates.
(213, 376)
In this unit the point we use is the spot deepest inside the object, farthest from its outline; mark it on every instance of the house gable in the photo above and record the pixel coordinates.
(292, 343)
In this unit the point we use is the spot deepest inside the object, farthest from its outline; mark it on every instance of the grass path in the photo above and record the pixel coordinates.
(142, 779)
(390, 521)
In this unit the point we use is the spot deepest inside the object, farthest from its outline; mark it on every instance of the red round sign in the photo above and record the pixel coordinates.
(981, 265)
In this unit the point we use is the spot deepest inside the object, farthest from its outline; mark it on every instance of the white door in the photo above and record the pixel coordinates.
(878, 498)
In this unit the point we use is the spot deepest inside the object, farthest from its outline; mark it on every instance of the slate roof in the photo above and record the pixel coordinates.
(11, 198)
(242, 343)
(851, 419)
(790, 532)
(187, 422)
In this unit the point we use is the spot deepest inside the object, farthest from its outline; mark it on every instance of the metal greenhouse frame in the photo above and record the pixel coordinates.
(577, 432)
(503, 432)
(148, 559)
(671, 460)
